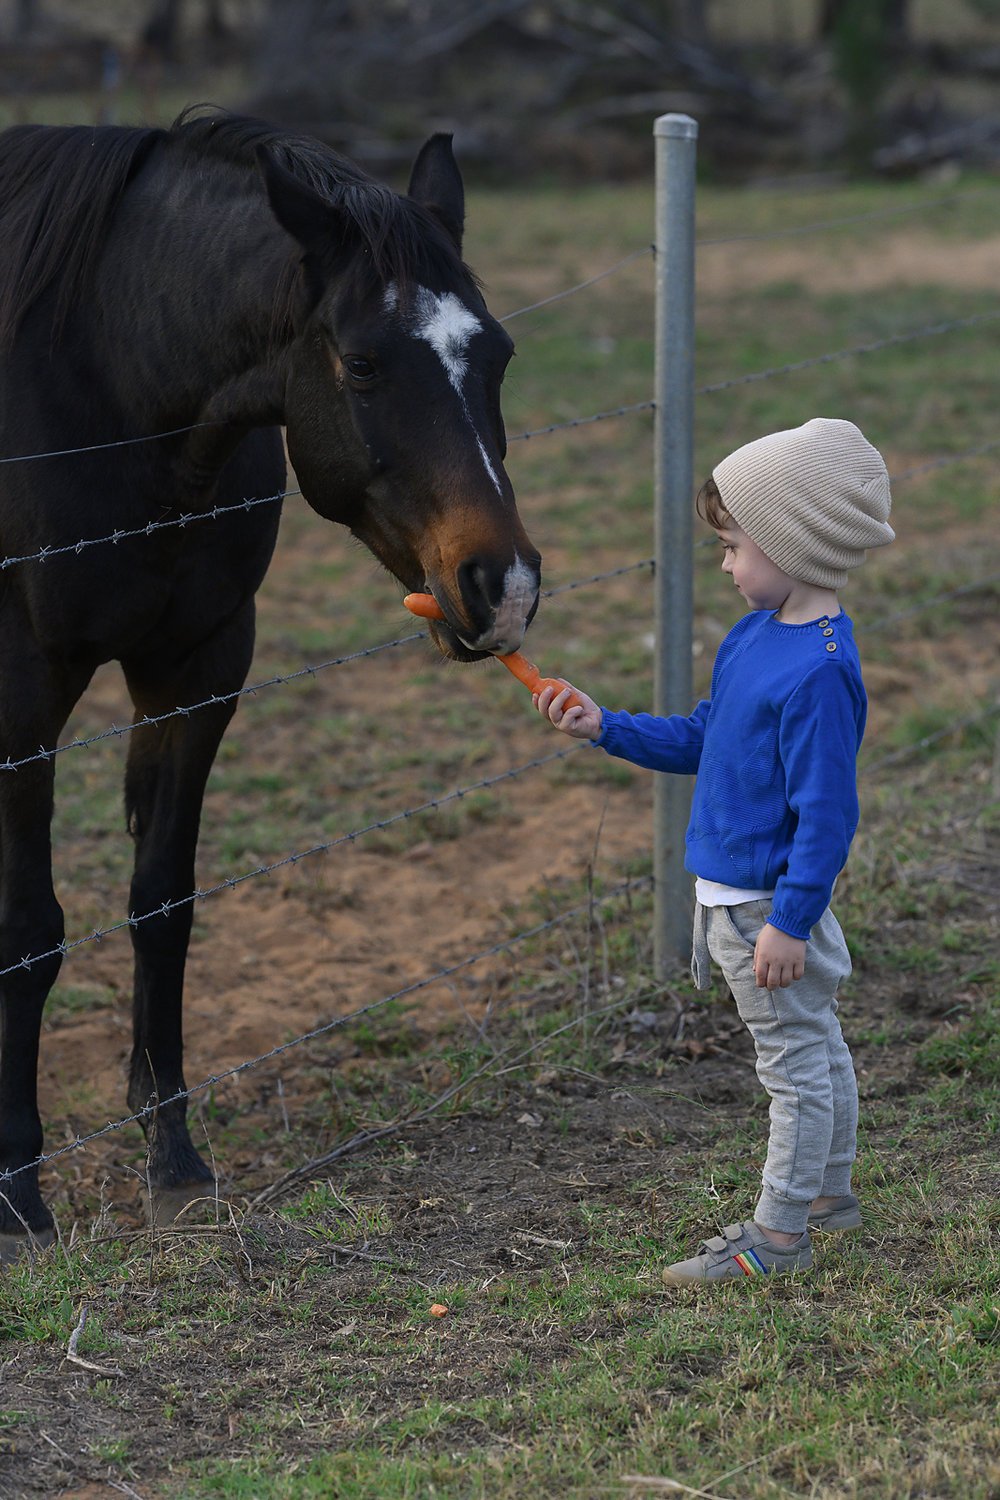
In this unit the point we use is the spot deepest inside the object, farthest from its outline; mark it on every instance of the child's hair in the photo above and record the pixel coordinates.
(710, 507)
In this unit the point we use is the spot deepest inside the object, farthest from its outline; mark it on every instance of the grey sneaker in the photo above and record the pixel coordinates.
(740, 1250)
(841, 1217)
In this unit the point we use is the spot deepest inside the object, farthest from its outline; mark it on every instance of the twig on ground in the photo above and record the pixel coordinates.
(668, 1486)
(77, 1359)
(539, 1239)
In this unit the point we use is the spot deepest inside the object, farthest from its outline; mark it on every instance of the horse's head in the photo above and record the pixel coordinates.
(392, 402)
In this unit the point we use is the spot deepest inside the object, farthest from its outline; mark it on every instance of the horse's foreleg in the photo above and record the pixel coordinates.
(31, 924)
(168, 766)
(33, 708)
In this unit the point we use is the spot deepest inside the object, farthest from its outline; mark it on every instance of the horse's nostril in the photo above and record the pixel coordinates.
(480, 586)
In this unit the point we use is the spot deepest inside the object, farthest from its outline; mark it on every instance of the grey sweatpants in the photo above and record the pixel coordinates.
(802, 1058)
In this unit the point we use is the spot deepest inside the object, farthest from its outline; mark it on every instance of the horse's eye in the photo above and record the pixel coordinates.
(361, 370)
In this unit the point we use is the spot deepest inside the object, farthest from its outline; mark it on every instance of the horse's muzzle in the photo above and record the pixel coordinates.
(492, 611)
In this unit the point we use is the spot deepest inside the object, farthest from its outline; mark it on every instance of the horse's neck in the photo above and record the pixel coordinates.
(194, 274)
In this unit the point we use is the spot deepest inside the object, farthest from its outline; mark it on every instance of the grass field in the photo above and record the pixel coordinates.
(558, 1125)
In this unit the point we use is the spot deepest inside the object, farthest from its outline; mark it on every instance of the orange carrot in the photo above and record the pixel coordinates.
(525, 671)
(424, 605)
(427, 607)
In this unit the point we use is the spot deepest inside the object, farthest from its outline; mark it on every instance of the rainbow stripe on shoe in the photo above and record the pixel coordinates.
(740, 1250)
(751, 1264)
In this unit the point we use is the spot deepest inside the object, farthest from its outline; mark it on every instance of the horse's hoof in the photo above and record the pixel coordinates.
(190, 1204)
(14, 1247)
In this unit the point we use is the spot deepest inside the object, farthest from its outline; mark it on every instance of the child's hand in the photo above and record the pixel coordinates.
(582, 721)
(778, 959)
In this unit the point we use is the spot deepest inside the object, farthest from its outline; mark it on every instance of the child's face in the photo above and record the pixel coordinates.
(761, 582)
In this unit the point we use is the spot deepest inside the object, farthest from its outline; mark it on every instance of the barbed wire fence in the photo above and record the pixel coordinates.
(623, 891)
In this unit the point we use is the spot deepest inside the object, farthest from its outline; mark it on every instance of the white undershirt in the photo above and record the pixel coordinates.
(713, 893)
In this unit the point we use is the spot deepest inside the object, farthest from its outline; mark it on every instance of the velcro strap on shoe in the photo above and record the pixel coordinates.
(733, 1232)
(717, 1244)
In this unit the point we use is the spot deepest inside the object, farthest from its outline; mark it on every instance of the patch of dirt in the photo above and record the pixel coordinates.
(903, 259)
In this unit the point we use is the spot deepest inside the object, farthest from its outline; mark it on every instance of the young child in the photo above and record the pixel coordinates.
(774, 811)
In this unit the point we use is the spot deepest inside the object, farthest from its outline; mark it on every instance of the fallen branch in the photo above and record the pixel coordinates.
(78, 1359)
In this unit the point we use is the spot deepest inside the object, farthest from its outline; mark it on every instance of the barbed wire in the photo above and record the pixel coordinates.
(581, 285)
(148, 437)
(641, 253)
(626, 888)
(831, 357)
(118, 731)
(580, 583)
(231, 882)
(600, 416)
(115, 731)
(433, 804)
(894, 757)
(918, 609)
(733, 239)
(188, 518)
(155, 437)
(874, 347)
(945, 460)
(150, 529)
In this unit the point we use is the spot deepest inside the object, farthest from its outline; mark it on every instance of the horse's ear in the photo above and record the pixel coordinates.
(436, 184)
(301, 213)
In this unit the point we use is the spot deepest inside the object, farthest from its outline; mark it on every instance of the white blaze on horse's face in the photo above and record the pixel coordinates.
(445, 323)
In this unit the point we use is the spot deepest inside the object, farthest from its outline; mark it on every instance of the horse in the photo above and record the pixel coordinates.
(170, 299)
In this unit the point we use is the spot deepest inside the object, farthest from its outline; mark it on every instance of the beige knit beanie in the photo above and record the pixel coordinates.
(814, 498)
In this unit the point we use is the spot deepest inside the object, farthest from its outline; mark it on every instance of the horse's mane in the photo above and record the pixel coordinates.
(58, 189)
(60, 186)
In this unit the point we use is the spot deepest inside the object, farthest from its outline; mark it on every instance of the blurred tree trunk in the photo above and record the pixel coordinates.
(687, 19)
(864, 35)
(895, 17)
(161, 33)
(691, 20)
(25, 19)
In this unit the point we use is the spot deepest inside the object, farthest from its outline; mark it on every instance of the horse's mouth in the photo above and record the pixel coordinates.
(451, 645)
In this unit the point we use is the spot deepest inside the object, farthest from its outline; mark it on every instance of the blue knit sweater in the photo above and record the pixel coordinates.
(775, 801)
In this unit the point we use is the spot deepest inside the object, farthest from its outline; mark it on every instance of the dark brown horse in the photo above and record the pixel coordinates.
(178, 296)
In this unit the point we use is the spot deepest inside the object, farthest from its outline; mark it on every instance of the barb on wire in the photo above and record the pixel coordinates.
(917, 609)
(232, 881)
(580, 583)
(874, 347)
(582, 285)
(338, 1021)
(976, 320)
(150, 529)
(601, 416)
(117, 731)
(945, 460)
(924, 743)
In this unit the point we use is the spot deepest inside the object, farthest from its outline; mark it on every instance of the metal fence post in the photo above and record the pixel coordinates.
(676, 138)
